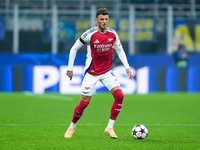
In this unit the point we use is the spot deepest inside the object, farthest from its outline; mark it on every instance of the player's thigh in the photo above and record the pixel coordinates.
(109, 80)
(88, 84)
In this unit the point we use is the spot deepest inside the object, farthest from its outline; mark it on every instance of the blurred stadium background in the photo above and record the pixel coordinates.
(36, 36)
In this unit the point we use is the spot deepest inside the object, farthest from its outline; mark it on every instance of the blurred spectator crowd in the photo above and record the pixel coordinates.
(161, 1)
(85, 4)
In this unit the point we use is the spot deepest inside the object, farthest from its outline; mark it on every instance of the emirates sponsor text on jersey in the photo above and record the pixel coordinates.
(102, 47)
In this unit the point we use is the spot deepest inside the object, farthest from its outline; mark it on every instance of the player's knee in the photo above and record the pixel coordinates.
(118, 95)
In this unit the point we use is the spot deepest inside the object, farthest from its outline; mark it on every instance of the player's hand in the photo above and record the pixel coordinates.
(129, 73)
(69, 74)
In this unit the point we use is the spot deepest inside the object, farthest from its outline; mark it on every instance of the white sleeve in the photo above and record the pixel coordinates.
(77, 45)
(120, 51)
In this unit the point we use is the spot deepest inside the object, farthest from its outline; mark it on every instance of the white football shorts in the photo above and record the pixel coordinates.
(108, 80)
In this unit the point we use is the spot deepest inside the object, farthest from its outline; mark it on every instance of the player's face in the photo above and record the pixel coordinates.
(102, 22)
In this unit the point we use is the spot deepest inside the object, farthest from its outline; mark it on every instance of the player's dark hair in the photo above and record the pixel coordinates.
(102, 11)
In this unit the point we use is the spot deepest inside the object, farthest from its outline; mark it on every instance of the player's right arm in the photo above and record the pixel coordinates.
(77, 45)
(85, 38)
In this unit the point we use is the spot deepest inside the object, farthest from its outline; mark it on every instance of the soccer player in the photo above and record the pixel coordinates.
(100, 42)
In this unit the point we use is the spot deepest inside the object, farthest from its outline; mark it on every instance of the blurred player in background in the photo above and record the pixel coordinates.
(100, 42)
(180, 56)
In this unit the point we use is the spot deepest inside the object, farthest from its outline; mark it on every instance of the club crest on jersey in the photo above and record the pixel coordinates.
(110, 39)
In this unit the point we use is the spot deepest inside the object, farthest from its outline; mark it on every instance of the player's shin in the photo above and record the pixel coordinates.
(117, 104)
(78, 111)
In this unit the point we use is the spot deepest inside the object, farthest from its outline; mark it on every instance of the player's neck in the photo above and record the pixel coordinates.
(102, 30)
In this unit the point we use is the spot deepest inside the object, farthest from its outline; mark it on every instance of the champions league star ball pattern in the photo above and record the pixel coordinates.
(139, 132)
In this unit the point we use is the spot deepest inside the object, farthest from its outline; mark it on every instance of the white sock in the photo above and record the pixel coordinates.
(110, 123)
(72, 125)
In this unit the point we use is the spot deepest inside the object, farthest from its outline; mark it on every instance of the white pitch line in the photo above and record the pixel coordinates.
(50, 96)
(13, 124)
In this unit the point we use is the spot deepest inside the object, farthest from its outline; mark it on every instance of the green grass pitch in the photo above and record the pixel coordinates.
(38, 122)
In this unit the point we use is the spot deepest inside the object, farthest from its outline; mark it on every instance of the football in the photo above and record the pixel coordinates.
(139, 132)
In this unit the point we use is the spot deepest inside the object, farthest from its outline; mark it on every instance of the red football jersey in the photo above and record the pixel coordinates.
(99, 50)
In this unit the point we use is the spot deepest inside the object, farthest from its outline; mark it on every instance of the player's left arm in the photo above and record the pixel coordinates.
(122, 56)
